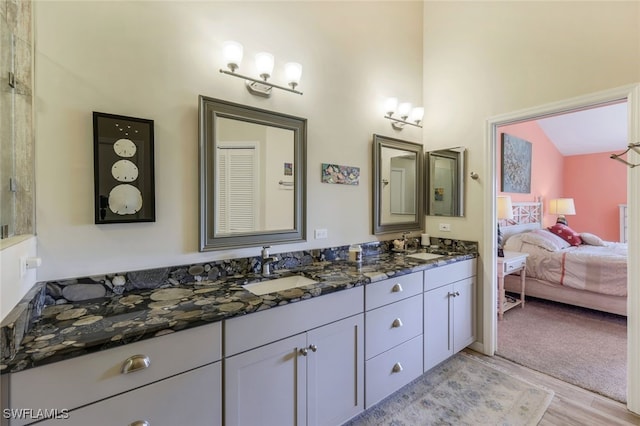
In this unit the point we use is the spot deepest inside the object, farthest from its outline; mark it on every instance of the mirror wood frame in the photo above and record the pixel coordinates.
(380, 142)
(209, 110)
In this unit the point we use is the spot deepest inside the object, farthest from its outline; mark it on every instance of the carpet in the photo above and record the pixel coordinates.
(464, 390)
(580, 346)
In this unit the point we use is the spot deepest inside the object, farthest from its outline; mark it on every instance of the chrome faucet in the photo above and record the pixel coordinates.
(404, 240)
(407, 241)
(267, 260)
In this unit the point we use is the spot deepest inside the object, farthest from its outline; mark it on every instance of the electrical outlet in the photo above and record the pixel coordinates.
(321, 233)
(446, 227)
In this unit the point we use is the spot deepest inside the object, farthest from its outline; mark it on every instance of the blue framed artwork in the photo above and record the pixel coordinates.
(516, 165)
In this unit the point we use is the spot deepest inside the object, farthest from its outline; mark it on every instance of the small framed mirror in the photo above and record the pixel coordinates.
(445, 182)
(397, 185)
(252, 176)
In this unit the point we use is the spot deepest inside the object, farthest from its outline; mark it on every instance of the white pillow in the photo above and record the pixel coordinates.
(591, 239)
(545, 239)
(514, 242)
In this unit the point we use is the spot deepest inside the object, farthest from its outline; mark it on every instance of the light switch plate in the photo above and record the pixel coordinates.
(321, 233)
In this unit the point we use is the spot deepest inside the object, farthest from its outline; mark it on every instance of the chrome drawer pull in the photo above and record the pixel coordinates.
(397, 368)
(135, 363)
(396, 323)
(397, 288)
(140, 423)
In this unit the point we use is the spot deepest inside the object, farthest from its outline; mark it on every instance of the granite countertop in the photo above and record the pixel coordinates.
(63, 331)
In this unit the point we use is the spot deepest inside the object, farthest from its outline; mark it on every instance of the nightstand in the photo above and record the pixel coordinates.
(512, 261)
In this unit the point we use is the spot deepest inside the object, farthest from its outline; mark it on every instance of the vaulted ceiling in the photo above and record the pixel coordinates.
(599, 129)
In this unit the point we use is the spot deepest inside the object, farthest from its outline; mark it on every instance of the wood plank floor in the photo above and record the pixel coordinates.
(571, 405)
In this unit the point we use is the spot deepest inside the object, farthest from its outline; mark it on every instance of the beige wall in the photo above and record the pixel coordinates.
(482, 59)
(153, 59)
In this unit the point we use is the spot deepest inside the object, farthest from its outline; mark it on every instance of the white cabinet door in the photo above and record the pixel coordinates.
(335, 372)
(192, 398)
(464, 312)
(267, 385)
(438, 345)
(313, 378)
(449, 320)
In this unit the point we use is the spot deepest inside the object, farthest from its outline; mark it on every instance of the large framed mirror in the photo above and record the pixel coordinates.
(445, 182)
(252, 176)
(397, 185)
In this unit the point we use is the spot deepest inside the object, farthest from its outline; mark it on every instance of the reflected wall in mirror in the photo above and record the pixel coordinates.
(445, 182)
(397, 185)
(252, 176)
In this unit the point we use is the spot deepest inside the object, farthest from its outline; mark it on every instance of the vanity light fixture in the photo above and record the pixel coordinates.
(405, 112)
(233, 53)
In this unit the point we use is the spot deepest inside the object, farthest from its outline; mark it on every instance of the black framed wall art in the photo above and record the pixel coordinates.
(123, 169)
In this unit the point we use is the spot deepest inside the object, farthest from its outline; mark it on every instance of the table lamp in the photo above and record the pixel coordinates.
(561, 207)
(505, 211)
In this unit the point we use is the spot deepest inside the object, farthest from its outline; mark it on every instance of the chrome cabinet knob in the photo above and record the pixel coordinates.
(397, 288)
(304, 351)
(457, 293)
(313, 348)
(140, 423)
(135, 363)
(397, 368)
(396, 323)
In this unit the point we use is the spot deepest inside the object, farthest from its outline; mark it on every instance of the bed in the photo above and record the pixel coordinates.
(585, 271)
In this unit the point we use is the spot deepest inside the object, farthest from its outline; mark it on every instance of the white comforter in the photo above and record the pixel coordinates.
(601, 269)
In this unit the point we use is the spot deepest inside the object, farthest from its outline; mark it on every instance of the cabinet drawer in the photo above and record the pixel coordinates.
(85, 379)
(514, 265)
(393, 369)
(192, 398)
(392, 325)
(437, 277)
(260, 328)
(391, 290)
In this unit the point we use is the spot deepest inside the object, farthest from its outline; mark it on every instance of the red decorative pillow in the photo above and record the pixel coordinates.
(566, 233)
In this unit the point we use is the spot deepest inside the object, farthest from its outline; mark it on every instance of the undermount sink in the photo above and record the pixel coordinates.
(424, 256)
(279, 284)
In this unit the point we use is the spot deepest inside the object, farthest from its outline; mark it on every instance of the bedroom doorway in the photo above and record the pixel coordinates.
(630, 94)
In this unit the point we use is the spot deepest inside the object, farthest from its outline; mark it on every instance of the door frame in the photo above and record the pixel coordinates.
(630, 93)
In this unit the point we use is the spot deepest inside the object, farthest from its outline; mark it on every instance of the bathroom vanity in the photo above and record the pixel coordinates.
(319, 352)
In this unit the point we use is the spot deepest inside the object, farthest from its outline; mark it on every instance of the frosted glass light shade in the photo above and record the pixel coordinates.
(264, 64)
(404, 109)
(416, 114)
(504, 207)
(293, 71)
(232, 52)
(390, 106)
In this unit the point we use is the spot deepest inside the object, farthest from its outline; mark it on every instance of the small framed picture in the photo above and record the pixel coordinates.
(123, 169)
